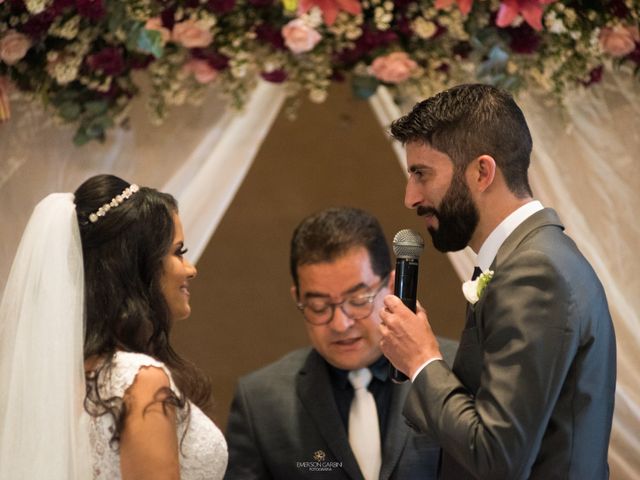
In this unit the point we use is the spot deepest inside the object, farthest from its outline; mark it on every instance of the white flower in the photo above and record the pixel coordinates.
(424, 28)
(472, 289)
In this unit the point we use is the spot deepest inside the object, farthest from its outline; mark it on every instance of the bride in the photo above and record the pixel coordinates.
(90, 387)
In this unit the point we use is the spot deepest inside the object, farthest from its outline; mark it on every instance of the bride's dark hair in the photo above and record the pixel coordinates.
(125, 309)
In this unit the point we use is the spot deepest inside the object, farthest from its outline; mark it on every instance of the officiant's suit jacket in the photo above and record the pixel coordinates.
(531, 391)
(284, 425)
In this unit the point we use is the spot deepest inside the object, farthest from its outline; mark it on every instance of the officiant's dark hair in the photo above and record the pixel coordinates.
(470, 120)
(125, 309)
(328, 234)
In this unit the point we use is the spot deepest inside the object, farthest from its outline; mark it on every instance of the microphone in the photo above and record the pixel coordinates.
(407, 246)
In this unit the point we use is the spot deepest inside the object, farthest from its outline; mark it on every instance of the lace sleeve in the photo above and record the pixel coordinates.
(123, 372)
(203, 451)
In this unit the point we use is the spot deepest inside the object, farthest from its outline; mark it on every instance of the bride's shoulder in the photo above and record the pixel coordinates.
(129, 367)
(127, 359)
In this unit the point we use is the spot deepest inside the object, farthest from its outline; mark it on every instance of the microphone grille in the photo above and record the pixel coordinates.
(408, 244)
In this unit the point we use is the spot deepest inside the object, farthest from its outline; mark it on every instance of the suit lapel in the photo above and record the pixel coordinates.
(542, 218)
(397, 431)
(468, 361)
(316, 395)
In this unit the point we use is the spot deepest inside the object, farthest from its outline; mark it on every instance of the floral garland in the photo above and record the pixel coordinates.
(80, 57)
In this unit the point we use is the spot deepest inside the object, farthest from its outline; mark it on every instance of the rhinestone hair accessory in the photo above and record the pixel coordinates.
(115, 201)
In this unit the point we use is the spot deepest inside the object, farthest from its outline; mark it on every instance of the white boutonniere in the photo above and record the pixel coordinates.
(472, 289)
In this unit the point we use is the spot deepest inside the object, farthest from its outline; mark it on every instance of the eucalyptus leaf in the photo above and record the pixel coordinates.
(81, 137)
(364, 86)
(150, 41)
(69, 111)
(498, 56)
(117, 16)
(132, 29)
(64, 96)
(96, 107)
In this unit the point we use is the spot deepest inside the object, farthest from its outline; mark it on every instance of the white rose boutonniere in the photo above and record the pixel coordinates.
(472, 289)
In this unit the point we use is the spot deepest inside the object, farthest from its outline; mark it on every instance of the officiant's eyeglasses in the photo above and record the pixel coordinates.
(319, 311)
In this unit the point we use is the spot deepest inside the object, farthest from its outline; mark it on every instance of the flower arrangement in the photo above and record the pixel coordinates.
(85, 59)
(472, 289)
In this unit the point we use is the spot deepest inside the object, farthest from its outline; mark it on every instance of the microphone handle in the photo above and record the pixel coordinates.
(406, 288)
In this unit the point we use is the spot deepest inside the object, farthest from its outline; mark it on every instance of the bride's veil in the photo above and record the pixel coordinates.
(42, 431)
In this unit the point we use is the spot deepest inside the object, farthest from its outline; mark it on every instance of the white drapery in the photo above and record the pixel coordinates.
(584, 165)
(200, 155)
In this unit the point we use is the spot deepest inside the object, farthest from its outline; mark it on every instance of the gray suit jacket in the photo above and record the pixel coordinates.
(531, 391)
(285, 413)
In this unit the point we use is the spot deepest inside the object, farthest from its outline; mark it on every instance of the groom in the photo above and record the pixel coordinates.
(531, 391)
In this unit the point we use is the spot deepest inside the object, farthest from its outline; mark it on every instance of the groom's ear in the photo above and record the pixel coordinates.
(481, 173)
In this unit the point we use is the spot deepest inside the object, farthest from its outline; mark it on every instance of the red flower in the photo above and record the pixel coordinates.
(531, 11)
(91, 9)
(595, 76)
(524, 39)
(221, 6)
(108, 60)
(635, 55)
(274, 76)
(217, 60)
(330, 8)
(463, 5)
(269, 34)
(59, 6)
(37, 25)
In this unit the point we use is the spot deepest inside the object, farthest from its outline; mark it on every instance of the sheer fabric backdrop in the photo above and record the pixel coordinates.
(200, 155)
(585, 165)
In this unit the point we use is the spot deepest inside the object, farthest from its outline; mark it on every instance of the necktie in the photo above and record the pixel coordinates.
(364, 430)
(477, 271)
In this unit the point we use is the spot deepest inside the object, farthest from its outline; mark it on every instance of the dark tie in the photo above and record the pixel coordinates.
(476, 273)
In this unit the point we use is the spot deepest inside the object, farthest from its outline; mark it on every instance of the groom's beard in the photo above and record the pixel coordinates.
(457, 217)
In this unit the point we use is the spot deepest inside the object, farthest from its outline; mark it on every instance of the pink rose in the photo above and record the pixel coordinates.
(155, 24)
(393, 68)
(299, 36)
(201, 70)
(620, 40)
(13, 46)
(191, 34)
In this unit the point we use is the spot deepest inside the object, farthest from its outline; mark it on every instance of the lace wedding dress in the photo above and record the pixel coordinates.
(203, 451)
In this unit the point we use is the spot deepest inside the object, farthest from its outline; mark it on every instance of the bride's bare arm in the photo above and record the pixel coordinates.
(149, 443)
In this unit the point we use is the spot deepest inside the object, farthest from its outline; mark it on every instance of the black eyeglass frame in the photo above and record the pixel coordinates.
(370, 297)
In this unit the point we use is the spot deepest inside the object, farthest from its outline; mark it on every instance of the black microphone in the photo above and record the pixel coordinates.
(407, 246)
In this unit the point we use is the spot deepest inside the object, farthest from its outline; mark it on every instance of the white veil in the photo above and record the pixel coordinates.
(42, 431)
